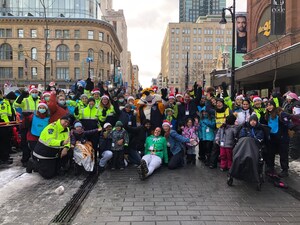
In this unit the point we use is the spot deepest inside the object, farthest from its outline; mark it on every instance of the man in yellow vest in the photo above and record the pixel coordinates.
(52, 149)
(28, 105)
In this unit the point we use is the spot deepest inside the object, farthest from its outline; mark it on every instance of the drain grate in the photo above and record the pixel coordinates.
(65, 216)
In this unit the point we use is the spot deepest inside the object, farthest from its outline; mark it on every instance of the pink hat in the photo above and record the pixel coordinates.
(171, 96)
(46, 93)
(167, 122)
(32, 88)
(292, 96)
(95, 90)
(256, 98)
(239, 97)
(52, 83)
(43, 104)
(105, 96)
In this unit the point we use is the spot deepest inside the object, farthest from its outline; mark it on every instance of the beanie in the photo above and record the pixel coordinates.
(77, 124)
(119, 124)
(253, 117)
(91, 99)
(230, 119)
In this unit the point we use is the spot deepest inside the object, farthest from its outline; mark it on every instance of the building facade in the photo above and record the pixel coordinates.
(192, 48)
(273, 60)
(190, 10)
(59, 46)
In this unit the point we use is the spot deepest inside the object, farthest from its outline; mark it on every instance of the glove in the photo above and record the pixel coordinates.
(89, 84)
(104, 112)
(224, 88)
(164, 93)
(195, 86)
(23, 95)
(176, 91)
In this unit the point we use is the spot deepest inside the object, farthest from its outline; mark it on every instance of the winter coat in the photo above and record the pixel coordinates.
(190, 133)
(139, 135)
(56, 111)
(126, 117)
(256, 132)
(105, 141)
(187, 110)
(206, 130)
(226, 136)
(176, 141)
(243, 116)
(116, 135)
(81, 136)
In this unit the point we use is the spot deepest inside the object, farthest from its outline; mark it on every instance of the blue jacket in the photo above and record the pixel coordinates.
(206, 131)
(176, 142)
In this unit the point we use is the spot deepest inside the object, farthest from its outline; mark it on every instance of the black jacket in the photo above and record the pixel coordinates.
(139, 135)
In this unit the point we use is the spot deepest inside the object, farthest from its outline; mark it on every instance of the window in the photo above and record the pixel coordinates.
(47, 33)
(77, 73)
(34, 72)
(20, 52)
(48, 73)
(6, 52)
(91, 53)
(199, 31)
(77, 47)
(107, 57)
(195, 30)
(172, 39)
(77, 34)
(5, 33)
(6, 72)
(101, 56)
(101, 35)
(33, 33)
(91, 34)
(194, 40)
(62, 53)
(20, 33)
(62, 73)
(76, 56)
(66, 34)
(34, 53)
(177, 30)
(20, 72)
(58, 34)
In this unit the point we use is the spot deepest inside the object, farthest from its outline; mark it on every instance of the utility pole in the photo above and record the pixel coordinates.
(187, 71)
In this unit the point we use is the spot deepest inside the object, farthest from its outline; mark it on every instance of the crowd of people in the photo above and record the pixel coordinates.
(60, 131)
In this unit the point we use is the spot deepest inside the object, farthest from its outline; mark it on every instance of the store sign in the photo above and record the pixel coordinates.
(265, 29)
(278, 17)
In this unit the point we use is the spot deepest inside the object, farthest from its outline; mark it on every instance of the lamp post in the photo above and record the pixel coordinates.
(187, 71)
(223, 22)
(89, 60)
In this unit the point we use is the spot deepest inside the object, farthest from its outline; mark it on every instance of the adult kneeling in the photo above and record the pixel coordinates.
(155, 152)
(51, 150)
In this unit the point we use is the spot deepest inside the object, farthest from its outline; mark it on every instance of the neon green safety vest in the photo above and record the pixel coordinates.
(109, 111)
(4, 112)
(27, 104)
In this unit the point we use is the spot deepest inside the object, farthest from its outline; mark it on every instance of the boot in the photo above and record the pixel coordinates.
(30, 166)
(188, 159)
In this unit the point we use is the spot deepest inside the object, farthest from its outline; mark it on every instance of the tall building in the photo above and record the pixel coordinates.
(190, 10)
(106, 5)
(69, 44)
(117, 19)
(193, 48)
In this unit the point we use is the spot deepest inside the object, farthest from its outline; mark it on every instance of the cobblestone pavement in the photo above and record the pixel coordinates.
(185, 196)
(191, 195)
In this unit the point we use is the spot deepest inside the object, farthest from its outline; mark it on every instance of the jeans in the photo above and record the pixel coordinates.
(176, 161)
(134, 157)
(118, 159)
(153, 162)
(106, 156)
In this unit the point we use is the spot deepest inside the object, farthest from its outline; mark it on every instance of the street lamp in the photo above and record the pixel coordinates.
(223, 22)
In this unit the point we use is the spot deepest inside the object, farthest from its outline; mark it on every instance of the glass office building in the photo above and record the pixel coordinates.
(54, 8)
(190, 10)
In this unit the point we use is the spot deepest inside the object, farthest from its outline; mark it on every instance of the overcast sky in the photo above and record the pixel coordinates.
(147, 23)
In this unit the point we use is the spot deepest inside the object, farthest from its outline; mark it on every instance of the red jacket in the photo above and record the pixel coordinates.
(56, 111)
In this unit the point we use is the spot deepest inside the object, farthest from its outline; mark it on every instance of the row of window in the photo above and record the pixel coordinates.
(199, 40)
(62, 53)
(199, 31)
(62, 73)
(59, 34)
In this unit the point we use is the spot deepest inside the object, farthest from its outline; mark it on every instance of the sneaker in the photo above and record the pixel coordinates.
(144, 168)
(283, 173)
(113, 168)
(223, 169)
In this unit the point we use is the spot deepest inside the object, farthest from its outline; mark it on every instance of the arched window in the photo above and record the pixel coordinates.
(34, 54)
(91, 53)
(101, 56)
(6, 52)
(76, 47)
(62, 53)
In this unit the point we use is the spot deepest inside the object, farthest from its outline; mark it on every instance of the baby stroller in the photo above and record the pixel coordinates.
(247, 163)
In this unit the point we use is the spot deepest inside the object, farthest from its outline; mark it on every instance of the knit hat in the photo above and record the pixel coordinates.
(239, 97)
(32, 88)
(42, 103)
(95, 90)
(83, 95)
(169, 109)
(91, 99)
(77, 124)
(220, 100)
(171, 96)
(105, 96)
(106, 125)
(11, 96)
(167, 123)
(257, 98)
(253, 117)
(119, 124)
(46, 93)
(230, 119)
(127, 106)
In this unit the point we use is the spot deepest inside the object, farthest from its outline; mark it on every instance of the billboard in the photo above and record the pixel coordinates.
(278, 13)
(241, 32)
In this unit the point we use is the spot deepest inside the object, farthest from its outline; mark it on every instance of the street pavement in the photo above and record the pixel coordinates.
(190, 195)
